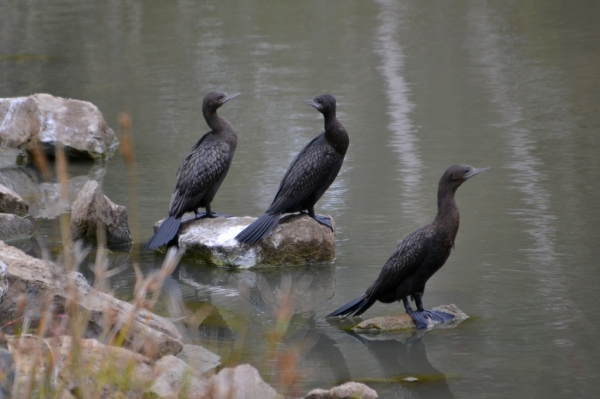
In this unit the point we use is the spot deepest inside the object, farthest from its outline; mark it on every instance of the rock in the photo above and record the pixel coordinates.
(7, 374)
(104, 367)
(13, 227)
(241, 382)
(90, 208)
(3, 280)
(349, 390)
(175, 379)
(42, 282)
(296, 240)
(11, 202)
(44, 198)
(13, 156)
(404, 321)
(20, 121)
(79, 126)
(199, 358)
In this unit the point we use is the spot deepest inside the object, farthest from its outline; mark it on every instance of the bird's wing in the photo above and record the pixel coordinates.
(313, 169)
(200, 169)
(402, 264)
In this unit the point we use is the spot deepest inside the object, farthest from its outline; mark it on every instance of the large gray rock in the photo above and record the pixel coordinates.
(296, 240)
(3, 280)
(199, 358)
(13, 156)
(92, 207)
(104, 367)
(175, 379)
(404, 321)
(13, 227)
(349, 390)
(44, 198)
(46, 121)
(11, 202)
(241, 382)
(42, 282)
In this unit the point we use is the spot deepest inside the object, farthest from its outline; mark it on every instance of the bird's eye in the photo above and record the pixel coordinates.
(467, 171)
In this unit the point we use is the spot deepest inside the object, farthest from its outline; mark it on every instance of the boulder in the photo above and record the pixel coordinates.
(13, 227)
(92, 207)
(404, 321)
(102, 368)
(11, 202)
(7, 374)
(349, 390)
(199, 358)
(41, 282)
(296, 240)
(241, 382)
(46, 121)
(3, 280)
(44, 198)
(175, 379)
(13, 156)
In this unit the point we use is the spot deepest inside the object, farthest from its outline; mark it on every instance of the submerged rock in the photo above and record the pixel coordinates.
(11, 202)
(39, 283)
(46, 121)
(353, 390)
(92, 207)
(295, 240)
(13, 227)
(404, 321)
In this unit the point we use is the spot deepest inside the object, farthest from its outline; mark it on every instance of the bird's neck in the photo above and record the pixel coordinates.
(214, 121)
(447, 216)
(336, 135)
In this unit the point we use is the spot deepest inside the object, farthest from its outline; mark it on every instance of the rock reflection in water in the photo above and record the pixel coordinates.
(403, 359)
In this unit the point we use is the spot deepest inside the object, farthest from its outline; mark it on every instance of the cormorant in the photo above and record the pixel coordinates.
(201, 172)
(418, 256)
(309, 175)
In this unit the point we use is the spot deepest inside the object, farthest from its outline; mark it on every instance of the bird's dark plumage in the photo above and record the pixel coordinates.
(419, 255)
(201, 172)
(309, 175)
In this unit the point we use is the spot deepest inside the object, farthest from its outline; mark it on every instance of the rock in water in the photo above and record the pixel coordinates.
(79, 126)
(91, 207)
(348, 390)
(296, 240)
(13, 227)
(404, 321)
(11, 202)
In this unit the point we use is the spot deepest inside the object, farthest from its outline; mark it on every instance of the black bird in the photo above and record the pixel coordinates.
(201, 172)
(418, 256)
(309, 175)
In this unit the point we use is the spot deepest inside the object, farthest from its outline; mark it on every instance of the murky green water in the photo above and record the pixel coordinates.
(420, 86)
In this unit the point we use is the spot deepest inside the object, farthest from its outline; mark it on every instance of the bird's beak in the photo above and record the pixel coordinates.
(476, 171)
(229, 98)
(312, 103)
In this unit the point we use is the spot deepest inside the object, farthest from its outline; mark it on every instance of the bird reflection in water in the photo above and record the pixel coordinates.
(403, 360)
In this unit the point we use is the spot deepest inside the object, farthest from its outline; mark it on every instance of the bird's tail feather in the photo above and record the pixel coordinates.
(356, 307)
(260, 228)
(165, 233)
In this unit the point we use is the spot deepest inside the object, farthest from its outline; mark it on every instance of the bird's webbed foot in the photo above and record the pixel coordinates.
(324, 220)
(423, 317)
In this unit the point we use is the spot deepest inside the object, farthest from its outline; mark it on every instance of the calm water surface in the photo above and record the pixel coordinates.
(420, 86)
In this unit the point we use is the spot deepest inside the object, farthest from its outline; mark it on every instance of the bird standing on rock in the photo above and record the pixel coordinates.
(418, 256)
(309, 175)
(201, 172)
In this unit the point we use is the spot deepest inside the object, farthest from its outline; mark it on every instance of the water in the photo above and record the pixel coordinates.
(420, 86)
